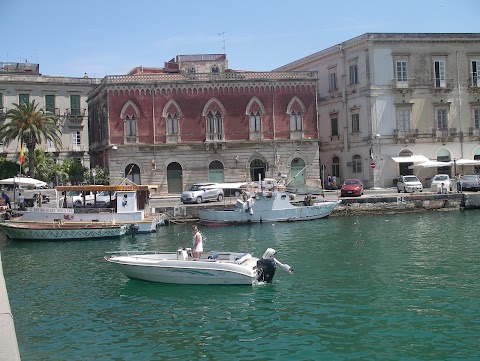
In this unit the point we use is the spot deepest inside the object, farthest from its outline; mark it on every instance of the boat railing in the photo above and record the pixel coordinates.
(93, 210)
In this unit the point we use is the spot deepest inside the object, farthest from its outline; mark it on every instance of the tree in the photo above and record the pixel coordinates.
(74, 169)
(8, 169)
(31, 127)
(45, 166)
(101, 176)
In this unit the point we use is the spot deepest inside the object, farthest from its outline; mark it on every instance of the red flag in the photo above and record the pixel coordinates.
(22, 156)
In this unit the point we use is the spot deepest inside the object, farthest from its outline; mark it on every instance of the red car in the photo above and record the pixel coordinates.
(352, 187)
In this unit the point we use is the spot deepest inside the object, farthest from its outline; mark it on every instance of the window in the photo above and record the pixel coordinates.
(50, 146)
(442, 119)
(439, 69)
(334, 126)
(23, 99)
(476, 118)
(76, 140)
(332, 81)
(75, 104)
(191, 70)
(130, 126)
(403, 119)
(215, 69)
(401, 70)
(357, 164)
(214, 126)
(356, 123)
(336, 167)
(255, 122)
(172, 124)
(353, 69)
(50, 103)
(296, 121)
(475, 71)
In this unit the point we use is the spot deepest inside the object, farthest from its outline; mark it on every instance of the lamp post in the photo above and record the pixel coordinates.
(94, 173)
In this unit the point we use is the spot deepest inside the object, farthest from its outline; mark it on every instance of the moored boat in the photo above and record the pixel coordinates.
(270, 204)
(61, 231)
(216, 268)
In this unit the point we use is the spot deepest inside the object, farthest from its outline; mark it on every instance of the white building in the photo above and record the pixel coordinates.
(63, 96)
(385, 96)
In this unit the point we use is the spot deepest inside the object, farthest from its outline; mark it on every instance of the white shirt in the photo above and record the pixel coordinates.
(200, 242)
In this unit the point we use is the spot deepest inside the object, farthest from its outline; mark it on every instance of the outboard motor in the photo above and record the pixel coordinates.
(269, 254)
(133, 228)
(265, 270)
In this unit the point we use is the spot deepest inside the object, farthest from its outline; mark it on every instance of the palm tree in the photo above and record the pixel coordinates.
(32, 127)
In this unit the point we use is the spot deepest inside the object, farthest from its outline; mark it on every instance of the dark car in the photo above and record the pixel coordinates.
(470, 182)
(351, 187)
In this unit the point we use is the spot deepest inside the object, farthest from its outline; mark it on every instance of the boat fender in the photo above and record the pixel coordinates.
(265, 270)
(244, 257)
(133, 228)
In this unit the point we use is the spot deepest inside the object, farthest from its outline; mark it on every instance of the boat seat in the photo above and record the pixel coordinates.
(213, 255)
(244, 257)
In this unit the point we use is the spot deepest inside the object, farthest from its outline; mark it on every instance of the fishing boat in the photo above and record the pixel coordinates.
(61, 231)
(128, 205)
(269, 203)
(215, 268)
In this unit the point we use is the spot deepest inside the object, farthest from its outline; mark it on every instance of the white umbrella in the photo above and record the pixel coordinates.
(467, 162)
(431, 164)
(24, 181)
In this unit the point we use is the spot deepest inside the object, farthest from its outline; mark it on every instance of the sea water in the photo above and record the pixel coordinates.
(384, 287)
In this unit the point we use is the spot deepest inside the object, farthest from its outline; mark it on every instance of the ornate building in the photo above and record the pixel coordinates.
(387, 101)
(63, 96)
(196, 120)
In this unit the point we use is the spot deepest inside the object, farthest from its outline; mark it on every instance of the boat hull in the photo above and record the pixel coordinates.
(167, 269)
(290, 214)
(47, 232)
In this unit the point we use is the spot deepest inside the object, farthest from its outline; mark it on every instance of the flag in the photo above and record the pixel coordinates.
(22, 156)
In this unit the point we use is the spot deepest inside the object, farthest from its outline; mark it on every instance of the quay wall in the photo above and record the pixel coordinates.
(395, 203)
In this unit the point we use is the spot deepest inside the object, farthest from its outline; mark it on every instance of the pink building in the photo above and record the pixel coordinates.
(196, 120)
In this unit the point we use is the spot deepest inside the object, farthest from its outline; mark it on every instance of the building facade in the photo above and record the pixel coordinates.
(389, 100)
(63, 96)
(195, 120)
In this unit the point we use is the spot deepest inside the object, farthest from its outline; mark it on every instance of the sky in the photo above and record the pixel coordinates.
(104, 37)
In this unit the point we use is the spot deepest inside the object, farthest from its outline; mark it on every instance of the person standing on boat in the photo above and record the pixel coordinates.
(7, 199)
(197, 242)
(21, 201)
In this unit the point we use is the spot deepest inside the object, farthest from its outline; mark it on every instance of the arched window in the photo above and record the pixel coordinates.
(357, 164)
(214, 126)
(130, 126)
(255, 122)
(296, 120)
(215, 69)
(191, 70)
(132, 172)
(172, 124)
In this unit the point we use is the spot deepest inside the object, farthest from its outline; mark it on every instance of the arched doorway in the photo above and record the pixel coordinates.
(404, 167)
(174, 178)
(215, 172)
(258, 169)
(443, 155)
(298, 171)
(132, 172)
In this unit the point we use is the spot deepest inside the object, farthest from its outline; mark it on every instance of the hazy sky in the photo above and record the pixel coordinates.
(104, 37)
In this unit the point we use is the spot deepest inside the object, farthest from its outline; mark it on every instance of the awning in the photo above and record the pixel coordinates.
(467, 162)
(411, 159)
(431, 164)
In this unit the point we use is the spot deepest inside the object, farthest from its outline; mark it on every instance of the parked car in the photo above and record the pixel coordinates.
(75, 198)
(409, 183)
(202, 192)
(103, 199)
(437, 181)
(470, 182)
(351, 187)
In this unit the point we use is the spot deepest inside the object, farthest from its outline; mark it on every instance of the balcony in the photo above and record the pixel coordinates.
(130, 139)
(296, 134)
(404, 85)
(76, 148)
(474, 83)
(444, 134)
(441, 85)
(407, 136)
(75, 115)
(215, 137)
(474, 134)
(173, 138)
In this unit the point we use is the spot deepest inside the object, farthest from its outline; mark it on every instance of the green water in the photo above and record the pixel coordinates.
(384, 287)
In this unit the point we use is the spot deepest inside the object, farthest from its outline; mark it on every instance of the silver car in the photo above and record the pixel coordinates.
(409, 183)
(202, 192)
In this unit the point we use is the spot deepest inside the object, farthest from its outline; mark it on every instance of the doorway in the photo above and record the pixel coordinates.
(174, 178)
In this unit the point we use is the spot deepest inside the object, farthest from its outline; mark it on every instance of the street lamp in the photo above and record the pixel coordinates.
(94, 173)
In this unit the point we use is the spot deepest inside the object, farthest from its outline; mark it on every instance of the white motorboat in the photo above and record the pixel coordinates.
(47, 231)
(216, 268)
(128, 205)
(270, 204)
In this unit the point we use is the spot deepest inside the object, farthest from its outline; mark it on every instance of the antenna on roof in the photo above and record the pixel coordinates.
(224, 41)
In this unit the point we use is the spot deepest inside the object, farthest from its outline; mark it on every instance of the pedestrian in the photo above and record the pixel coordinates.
(21, 201)
(329, 182)
(334, 181)
(458, 180)
(7, 200)
(197, 242)
(40, 199)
